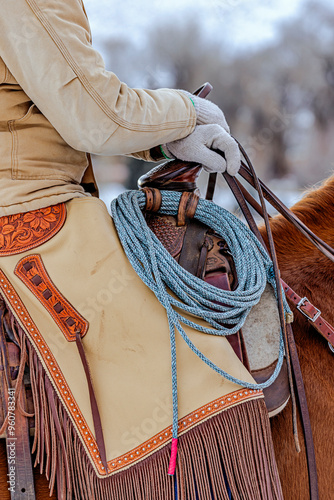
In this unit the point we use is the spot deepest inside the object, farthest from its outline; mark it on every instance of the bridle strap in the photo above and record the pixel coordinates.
(239, 196)
(312, 313)
(235, 187)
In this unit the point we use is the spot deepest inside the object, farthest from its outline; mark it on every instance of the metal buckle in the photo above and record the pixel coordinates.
(302, 302)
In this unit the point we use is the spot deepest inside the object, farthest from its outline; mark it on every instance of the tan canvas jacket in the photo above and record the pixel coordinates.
(58, 102)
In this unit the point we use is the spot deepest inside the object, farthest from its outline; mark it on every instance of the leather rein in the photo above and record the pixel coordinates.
(312, 313)
(304, 306)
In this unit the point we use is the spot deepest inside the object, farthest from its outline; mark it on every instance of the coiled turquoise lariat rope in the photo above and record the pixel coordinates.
(161, 273)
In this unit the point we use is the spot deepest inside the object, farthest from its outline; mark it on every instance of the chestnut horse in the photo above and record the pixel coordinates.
(310, 274)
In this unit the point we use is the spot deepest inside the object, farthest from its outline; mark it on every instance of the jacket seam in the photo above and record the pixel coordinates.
(15, 142)
(74, 194)
(89, 87)
(14, 162)
(42, 177)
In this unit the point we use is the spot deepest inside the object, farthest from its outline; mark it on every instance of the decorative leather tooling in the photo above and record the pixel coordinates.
(25, 231)
(109, 280)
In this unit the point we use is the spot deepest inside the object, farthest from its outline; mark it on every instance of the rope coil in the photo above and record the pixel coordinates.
(161, 273)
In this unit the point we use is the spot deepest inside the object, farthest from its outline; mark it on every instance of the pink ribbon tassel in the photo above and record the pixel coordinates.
(173, 455)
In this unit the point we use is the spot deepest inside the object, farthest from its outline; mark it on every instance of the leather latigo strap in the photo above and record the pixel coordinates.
(312, 313)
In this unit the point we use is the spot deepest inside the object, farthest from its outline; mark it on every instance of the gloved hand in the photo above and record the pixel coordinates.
(207, 112)
(197, 147)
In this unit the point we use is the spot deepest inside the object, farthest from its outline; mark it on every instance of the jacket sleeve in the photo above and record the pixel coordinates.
(46, 46)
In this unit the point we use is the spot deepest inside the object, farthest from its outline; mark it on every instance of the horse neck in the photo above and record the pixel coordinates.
(302, 266)
(316, 210)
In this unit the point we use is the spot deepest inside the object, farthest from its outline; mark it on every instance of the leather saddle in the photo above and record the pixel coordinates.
(206, 255)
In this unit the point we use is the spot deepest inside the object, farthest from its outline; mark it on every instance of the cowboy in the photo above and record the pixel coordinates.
(100, 349)
(57, 102)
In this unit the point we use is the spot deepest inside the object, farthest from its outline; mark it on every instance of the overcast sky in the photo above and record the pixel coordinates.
(244, 23)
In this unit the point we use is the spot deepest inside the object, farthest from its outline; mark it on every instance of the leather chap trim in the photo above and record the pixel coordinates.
(32, 272)
(25, 231)
(185, 424)
(52, 367)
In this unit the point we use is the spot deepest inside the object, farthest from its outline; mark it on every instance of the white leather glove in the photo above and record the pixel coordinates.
(197, 147)
(207, 112)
